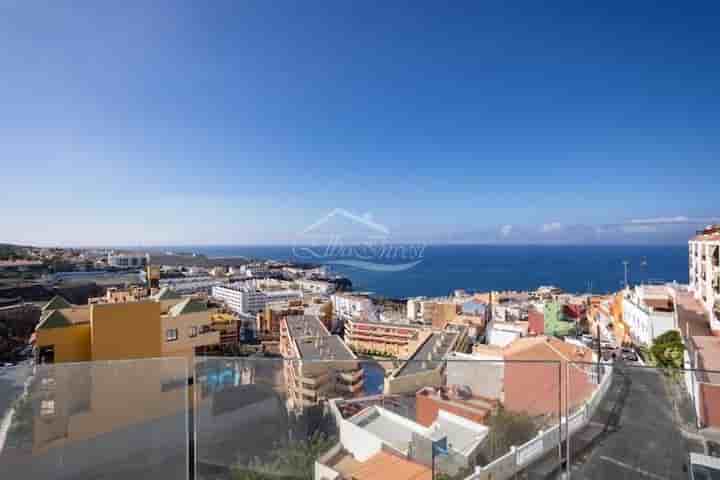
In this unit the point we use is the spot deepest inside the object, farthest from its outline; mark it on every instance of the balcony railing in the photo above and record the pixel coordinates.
(237, 418)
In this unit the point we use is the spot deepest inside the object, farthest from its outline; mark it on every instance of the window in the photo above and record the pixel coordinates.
(47, 408)
(46, 354)
(171, 334)
(193, 332)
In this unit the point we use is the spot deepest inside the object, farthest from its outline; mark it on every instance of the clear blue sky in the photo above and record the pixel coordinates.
(244, 122)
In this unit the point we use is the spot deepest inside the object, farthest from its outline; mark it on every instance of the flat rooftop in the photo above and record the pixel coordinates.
(382, 323)
(396, 434)
(430, 354)
(324, 348)
(313, 340)
(397, 431)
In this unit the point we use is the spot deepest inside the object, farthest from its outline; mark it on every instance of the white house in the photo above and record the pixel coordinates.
(649, 311)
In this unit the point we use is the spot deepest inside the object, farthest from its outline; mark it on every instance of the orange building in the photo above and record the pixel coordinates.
(429, 400)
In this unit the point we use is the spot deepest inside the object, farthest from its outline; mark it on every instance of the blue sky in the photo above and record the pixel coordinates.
(161, 123)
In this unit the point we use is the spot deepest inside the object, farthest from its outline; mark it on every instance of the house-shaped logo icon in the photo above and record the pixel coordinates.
(344, 238)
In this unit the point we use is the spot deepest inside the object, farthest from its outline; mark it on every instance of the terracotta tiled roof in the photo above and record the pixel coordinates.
(386, 465)
(546, 348)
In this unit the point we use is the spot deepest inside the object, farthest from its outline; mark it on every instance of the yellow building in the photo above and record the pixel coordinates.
(186, 328)
(123, 331)
(80, 395)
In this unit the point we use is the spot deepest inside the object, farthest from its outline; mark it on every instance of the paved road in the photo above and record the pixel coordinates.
(633, 435)
(12, 381)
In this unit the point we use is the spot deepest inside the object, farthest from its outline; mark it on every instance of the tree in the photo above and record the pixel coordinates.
(507, 429)
(667, 350)
(292, 461)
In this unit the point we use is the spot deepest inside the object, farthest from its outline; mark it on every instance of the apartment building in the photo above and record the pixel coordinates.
(315, 286)
(227, 327)
(320, 365)
(126, 260)
(187, 329)
(704, 265)
(648, 312)
(381, 338)
(122, 331)
(438, 312)
(414, 309)
(268, 320)
(191, 284)
(501, 334)
(425, 365)
(246, 299)
(353, 305)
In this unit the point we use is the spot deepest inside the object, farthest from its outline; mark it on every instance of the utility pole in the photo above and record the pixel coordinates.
(599, 352)
(625, 264)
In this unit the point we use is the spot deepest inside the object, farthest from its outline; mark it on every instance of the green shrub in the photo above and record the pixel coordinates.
(667, 350)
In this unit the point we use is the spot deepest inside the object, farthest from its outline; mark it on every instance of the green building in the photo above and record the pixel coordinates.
(556, 322)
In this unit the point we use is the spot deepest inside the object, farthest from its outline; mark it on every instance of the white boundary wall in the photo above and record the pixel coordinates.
(519, 457)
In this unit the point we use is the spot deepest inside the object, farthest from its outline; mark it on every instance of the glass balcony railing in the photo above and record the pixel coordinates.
(113, 420)
(459, 418)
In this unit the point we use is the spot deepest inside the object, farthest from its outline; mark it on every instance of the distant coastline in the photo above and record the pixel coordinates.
(578, 269)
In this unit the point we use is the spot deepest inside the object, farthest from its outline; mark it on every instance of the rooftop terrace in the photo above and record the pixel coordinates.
(313, 340)
(430, 354)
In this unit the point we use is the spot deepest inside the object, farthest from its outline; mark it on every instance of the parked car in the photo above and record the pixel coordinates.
(629, 355)
(703, 467)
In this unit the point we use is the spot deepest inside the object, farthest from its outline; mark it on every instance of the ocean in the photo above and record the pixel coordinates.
(444, 268)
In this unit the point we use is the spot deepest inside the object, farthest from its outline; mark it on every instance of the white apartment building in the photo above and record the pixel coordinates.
(414, 309)
(246, 299)
(347, 306)
(649, 311)
(502, 334)
(126, 260)
(191, 284)
(704, 256)
(257, 271)
(316, 286)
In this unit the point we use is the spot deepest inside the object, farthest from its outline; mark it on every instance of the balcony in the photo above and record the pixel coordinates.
(131, 420)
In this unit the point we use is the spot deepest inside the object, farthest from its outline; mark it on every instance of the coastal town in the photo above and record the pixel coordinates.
(422, 387)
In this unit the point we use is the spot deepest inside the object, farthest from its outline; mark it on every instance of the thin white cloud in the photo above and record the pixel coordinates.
(639, 229)
(677, 219)
(506, 230)
(551, 227)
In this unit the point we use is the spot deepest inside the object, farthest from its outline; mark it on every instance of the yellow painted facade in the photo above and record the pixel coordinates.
(193, 330)
(71, 343)
(125, 331)
(122, 331)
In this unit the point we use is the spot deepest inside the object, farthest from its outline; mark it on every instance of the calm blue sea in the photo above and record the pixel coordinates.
(598, 269)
